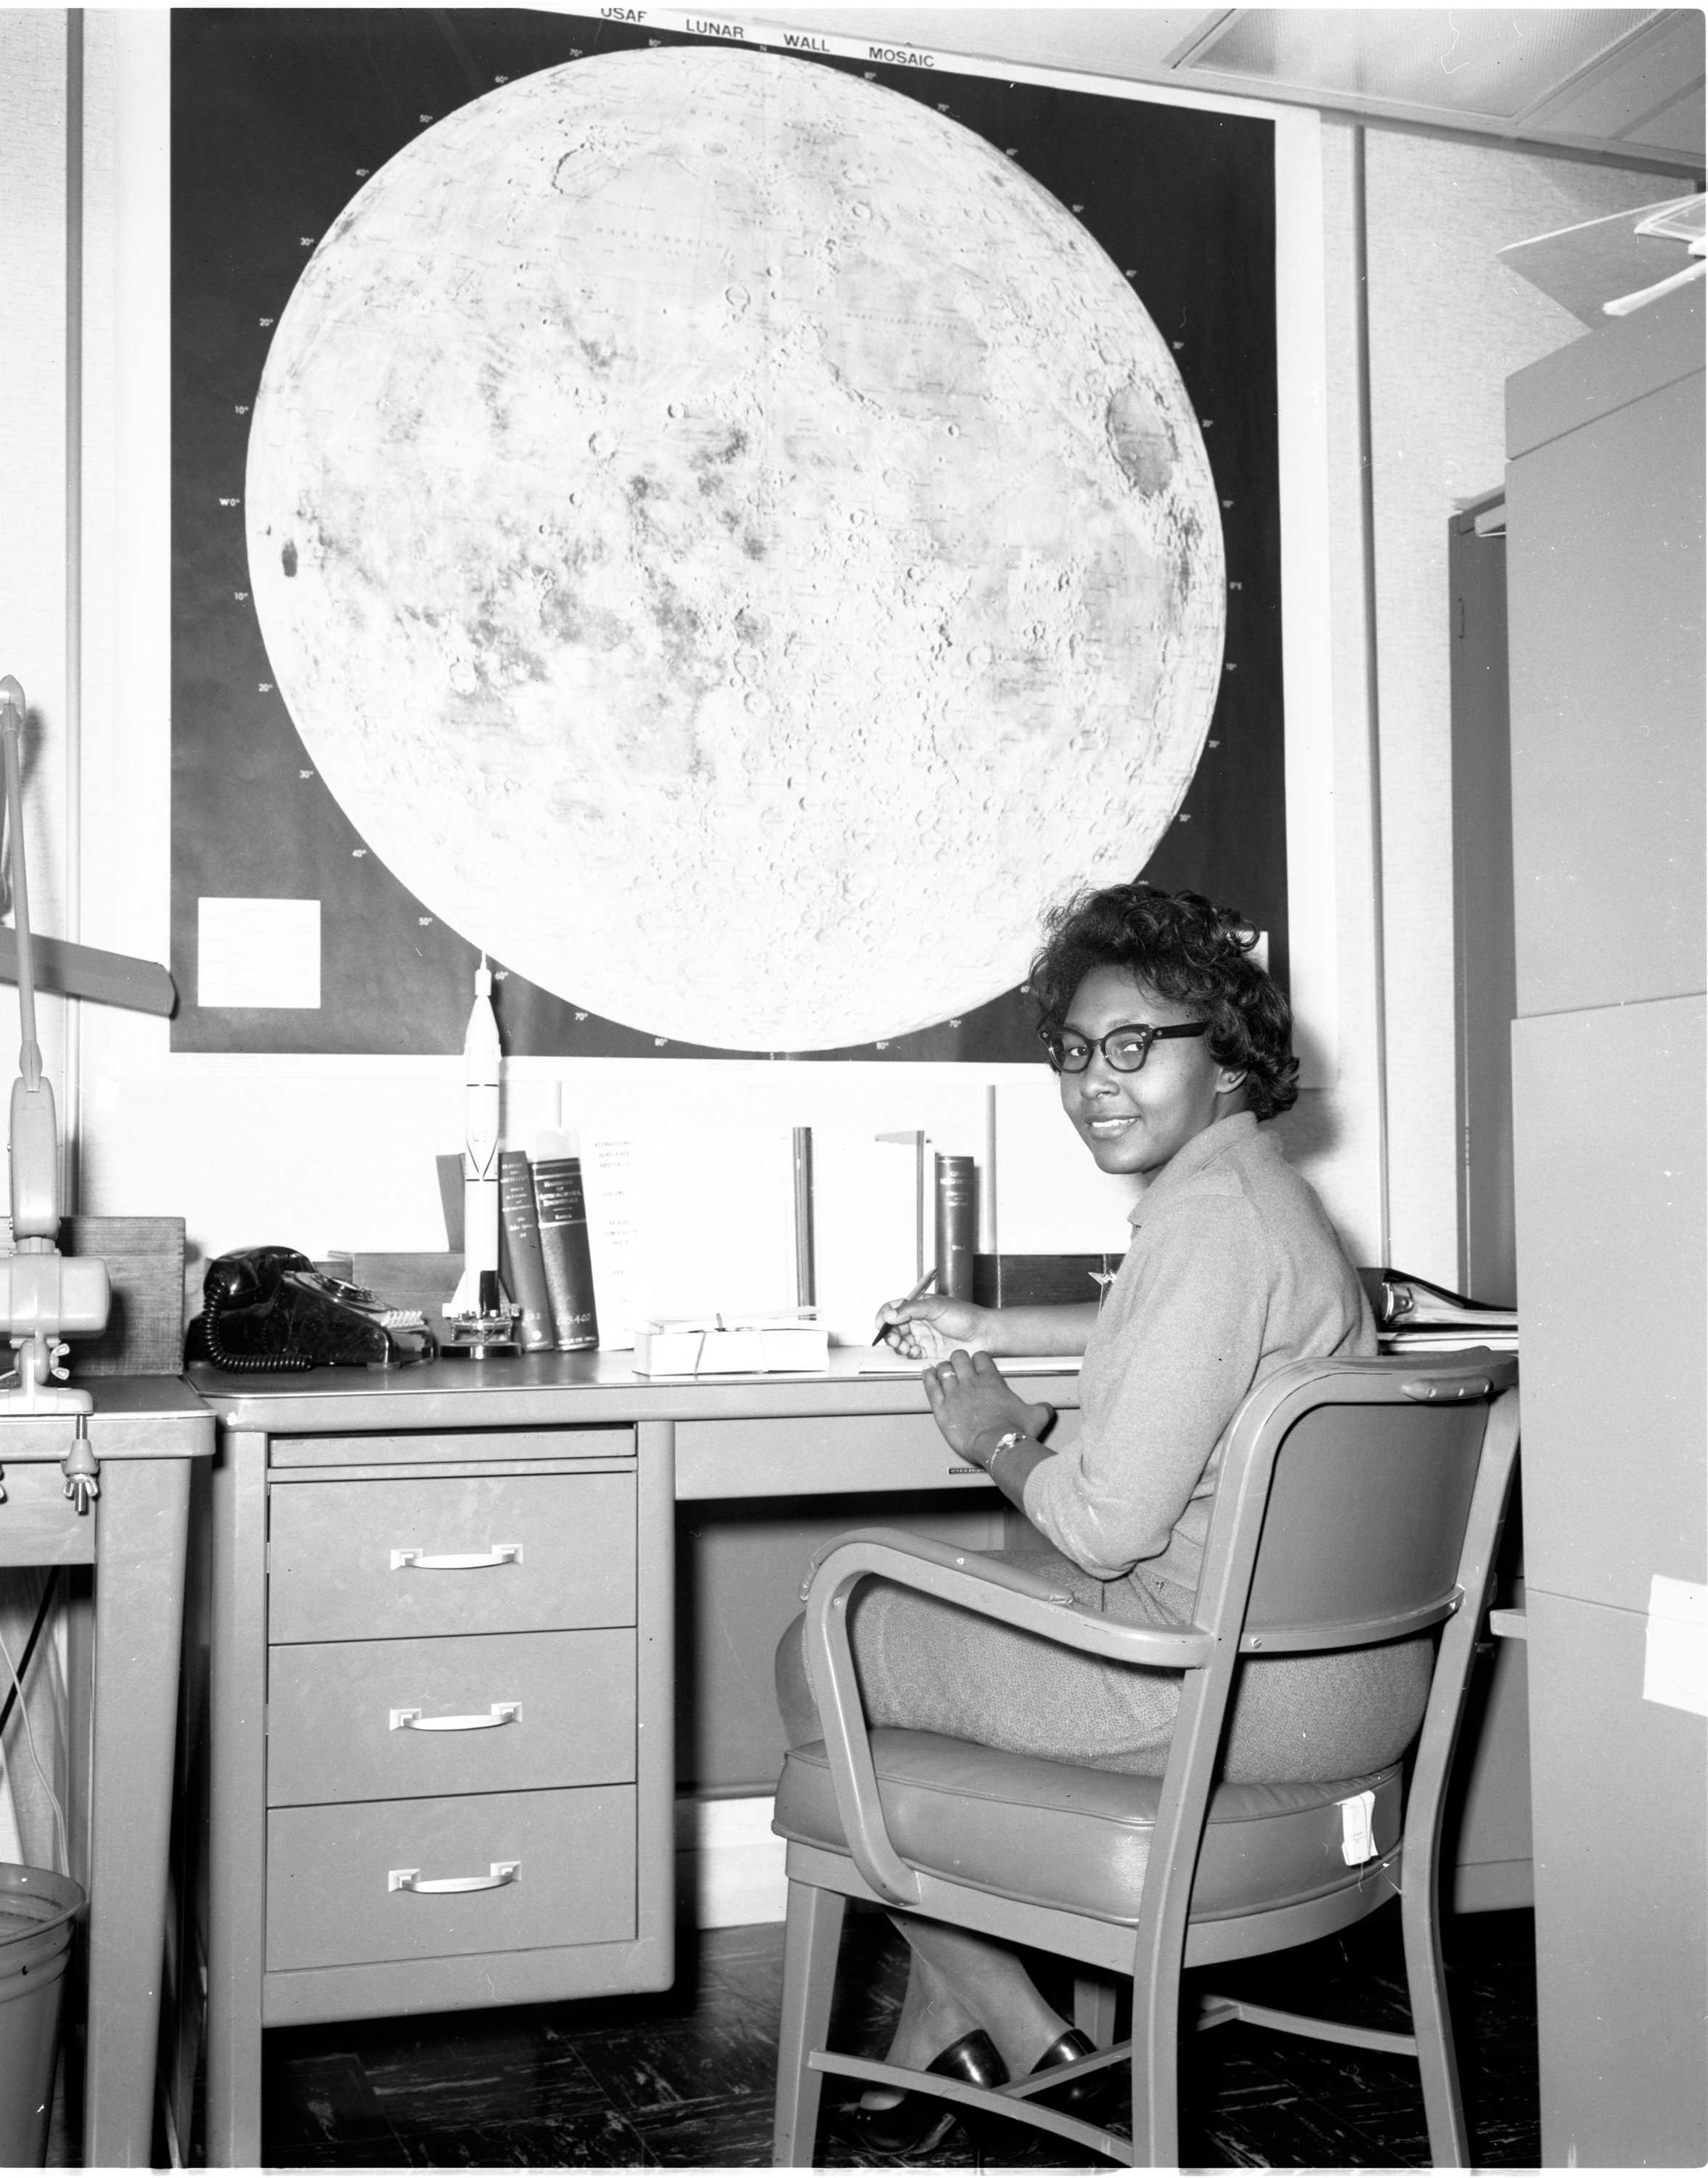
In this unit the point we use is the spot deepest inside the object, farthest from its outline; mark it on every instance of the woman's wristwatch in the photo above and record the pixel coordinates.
(1005, 1443)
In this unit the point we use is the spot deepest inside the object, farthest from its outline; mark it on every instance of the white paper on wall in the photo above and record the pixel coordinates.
(1050, 1198)
(258, 953)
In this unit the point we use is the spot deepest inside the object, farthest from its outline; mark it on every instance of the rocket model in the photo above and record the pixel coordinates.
(480, 1061)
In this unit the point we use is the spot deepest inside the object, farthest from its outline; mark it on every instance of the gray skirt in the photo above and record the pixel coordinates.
(934, 1667)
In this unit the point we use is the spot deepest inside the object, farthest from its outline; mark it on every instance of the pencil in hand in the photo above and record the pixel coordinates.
(913, 1294)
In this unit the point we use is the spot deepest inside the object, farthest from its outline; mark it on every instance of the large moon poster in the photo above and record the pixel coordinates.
(729, 530)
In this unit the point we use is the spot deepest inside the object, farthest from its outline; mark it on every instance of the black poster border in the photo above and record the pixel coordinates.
(277, 116)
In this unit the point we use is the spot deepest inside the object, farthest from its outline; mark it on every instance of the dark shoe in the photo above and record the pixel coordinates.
(1086, 2096)
(918, 2123)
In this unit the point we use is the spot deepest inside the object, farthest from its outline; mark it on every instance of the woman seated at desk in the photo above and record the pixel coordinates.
(1171, 1046)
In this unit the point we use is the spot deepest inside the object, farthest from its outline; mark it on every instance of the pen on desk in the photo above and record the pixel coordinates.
(912, 1295)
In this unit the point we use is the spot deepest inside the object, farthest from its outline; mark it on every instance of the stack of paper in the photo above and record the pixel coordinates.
(708, 1347)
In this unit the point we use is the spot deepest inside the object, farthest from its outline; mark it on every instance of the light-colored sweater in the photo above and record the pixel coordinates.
(1233, 1269)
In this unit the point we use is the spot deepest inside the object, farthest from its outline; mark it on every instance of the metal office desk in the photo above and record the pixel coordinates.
(145, 1432)
(299, 1607)
(321, 1485)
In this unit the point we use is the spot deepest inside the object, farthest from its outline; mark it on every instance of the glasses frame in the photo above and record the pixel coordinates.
(1100, 1045)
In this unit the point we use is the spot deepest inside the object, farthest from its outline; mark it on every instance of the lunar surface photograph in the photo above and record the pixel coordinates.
(732, 545)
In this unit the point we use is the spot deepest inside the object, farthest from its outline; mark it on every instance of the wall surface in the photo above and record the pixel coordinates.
(1448, 323)
(339, 1153)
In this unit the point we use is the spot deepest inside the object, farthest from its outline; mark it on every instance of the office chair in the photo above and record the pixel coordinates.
(1358, 1502)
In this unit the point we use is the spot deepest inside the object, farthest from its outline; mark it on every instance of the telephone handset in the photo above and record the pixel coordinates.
(270, 1308)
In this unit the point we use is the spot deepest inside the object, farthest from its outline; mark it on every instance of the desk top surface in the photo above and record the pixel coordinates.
(546, 1389)
(135, 1418)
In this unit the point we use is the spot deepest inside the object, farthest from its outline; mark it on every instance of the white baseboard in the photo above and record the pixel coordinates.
(728, 1863)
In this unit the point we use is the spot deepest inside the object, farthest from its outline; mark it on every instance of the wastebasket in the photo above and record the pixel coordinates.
(38, 1911)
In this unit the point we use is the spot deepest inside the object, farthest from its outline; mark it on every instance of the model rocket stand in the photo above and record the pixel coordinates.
(42, 1293)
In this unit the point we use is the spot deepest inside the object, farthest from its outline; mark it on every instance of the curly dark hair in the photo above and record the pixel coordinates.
(1184, 947)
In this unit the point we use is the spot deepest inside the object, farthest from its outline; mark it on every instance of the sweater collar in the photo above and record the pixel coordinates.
(1191, 1158)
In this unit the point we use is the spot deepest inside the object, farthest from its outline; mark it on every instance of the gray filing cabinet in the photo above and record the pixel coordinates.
(1605, 562)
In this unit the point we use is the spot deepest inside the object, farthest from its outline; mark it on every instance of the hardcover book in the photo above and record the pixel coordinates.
(957, 1225)
(521, 1261)
(560, 1206)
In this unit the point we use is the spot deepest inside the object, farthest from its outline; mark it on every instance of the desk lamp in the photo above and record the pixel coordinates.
(42, 1293)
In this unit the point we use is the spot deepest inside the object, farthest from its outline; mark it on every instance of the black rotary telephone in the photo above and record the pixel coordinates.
(270, 1308)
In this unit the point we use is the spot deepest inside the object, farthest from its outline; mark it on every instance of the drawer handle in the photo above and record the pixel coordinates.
(457, 1560)
(412, 1720)
(409, 1878)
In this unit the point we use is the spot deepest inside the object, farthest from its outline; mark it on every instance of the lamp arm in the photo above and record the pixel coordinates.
(42, 1293)
(11, 731)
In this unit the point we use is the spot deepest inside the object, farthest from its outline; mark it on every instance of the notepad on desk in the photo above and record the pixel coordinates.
(886, 1363)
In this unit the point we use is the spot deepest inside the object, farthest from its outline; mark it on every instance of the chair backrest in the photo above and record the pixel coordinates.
(1366, 1471)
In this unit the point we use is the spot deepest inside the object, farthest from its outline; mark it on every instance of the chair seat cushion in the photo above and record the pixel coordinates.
(1057, 1835)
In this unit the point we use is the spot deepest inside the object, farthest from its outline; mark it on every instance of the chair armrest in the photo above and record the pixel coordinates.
(995, 1591)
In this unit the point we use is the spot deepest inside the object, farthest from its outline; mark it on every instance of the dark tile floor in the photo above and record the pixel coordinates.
(685, 2079)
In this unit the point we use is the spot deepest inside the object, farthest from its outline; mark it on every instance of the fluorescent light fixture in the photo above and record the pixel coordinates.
(1486, 63)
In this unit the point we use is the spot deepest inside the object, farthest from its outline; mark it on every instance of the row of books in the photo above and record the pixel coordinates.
(698, 1227)
(650, 1236)
(544, 1263)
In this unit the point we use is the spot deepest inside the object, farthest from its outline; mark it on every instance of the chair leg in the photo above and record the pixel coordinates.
(1443, 2108)
(1094, 2008)
(1157, 2071)
(813, 1936)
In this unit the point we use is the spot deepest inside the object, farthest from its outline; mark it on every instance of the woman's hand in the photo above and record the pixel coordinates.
(931, 1327)
(974, 1406)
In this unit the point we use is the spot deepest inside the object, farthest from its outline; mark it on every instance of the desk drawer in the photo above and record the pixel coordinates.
(817, 1455)
(416, 1447)
(330, 1901)
(332, 1546)
(330, 1706)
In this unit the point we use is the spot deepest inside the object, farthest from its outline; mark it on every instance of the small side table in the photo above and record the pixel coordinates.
(146, 1433)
